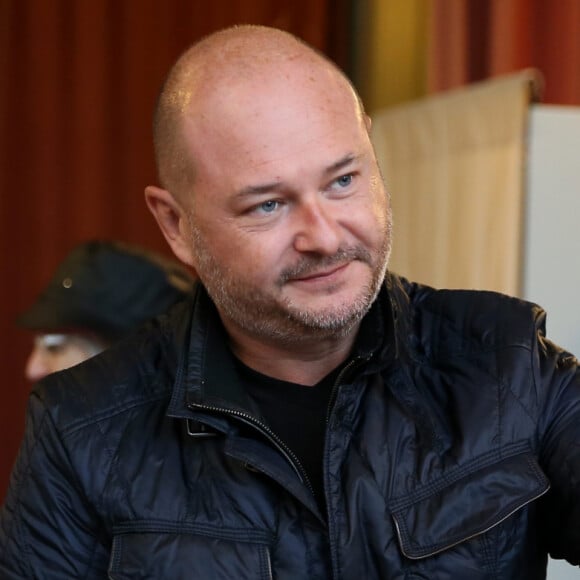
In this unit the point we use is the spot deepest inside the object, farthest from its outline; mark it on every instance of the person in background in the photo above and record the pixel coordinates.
(308, 414)
(100, 293)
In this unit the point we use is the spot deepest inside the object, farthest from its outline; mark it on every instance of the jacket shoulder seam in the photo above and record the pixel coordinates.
(83, 422)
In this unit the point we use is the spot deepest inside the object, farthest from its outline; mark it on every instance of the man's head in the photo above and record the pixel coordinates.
(100, 292)
(271, 187)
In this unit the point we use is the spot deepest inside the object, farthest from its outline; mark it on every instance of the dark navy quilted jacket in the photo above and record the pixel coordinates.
(452, 452)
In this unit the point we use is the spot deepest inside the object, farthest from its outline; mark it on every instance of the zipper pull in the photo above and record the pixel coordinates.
(198, 430)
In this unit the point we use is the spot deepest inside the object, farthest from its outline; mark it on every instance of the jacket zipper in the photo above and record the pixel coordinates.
(270, 435)
(269, 564)
(289, 455)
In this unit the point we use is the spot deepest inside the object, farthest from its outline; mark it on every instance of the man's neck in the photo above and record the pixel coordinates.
(305, 362)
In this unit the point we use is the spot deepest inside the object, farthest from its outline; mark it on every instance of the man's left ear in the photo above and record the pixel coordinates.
(368, 123)
(172, 221)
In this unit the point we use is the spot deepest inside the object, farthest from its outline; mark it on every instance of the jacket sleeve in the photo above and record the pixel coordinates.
(558, 379)
(47, 528)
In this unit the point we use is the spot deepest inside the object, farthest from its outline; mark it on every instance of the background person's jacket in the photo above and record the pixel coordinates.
(452, 452)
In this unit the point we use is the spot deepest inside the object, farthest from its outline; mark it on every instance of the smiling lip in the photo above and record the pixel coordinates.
(316, 276)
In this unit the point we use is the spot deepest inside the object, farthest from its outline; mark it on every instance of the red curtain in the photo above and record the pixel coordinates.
(474, 39)
(78, 85)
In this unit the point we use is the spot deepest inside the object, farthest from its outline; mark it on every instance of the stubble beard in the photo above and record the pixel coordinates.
(280, 320)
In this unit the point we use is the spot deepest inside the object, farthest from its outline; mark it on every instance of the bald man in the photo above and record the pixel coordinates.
(307, 415)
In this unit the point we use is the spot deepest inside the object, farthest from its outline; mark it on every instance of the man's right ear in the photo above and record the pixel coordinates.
(172, 220)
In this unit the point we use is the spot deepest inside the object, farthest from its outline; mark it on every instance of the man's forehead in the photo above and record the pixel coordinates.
(253, 146)
(276, 101)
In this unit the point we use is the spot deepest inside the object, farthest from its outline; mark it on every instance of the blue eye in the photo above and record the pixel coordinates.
(344, 180)
(269, 206)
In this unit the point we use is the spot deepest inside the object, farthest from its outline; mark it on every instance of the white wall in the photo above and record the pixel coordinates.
(552, 245)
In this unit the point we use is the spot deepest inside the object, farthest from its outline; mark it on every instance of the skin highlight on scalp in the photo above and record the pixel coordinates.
(236, 55)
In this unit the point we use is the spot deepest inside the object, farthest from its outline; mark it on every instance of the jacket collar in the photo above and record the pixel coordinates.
(206, 369)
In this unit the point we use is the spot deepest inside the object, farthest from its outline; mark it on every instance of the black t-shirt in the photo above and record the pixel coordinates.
(297, 414)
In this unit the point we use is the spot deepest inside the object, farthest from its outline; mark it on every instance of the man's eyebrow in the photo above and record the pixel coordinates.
(276, 185)
(257, 189)
(342, 163)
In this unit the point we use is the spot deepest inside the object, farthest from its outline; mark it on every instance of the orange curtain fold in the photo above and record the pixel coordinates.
(470, 40)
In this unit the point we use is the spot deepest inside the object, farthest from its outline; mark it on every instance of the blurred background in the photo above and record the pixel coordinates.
(79, 78)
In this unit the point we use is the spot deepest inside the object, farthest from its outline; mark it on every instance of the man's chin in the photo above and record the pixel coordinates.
(329, 320)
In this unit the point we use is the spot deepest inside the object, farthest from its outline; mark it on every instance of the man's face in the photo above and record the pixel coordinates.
(55, 352)
(290, 221)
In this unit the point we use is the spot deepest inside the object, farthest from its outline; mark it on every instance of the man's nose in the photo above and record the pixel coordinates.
(318, 230)
(36, 366)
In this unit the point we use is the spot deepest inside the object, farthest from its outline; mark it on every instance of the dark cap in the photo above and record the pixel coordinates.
(107, 288)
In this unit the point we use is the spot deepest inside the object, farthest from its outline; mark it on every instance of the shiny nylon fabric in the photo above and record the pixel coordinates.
(443, 458)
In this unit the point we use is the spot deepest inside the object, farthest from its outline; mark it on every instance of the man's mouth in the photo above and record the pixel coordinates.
(320, 274)
(309, 269)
